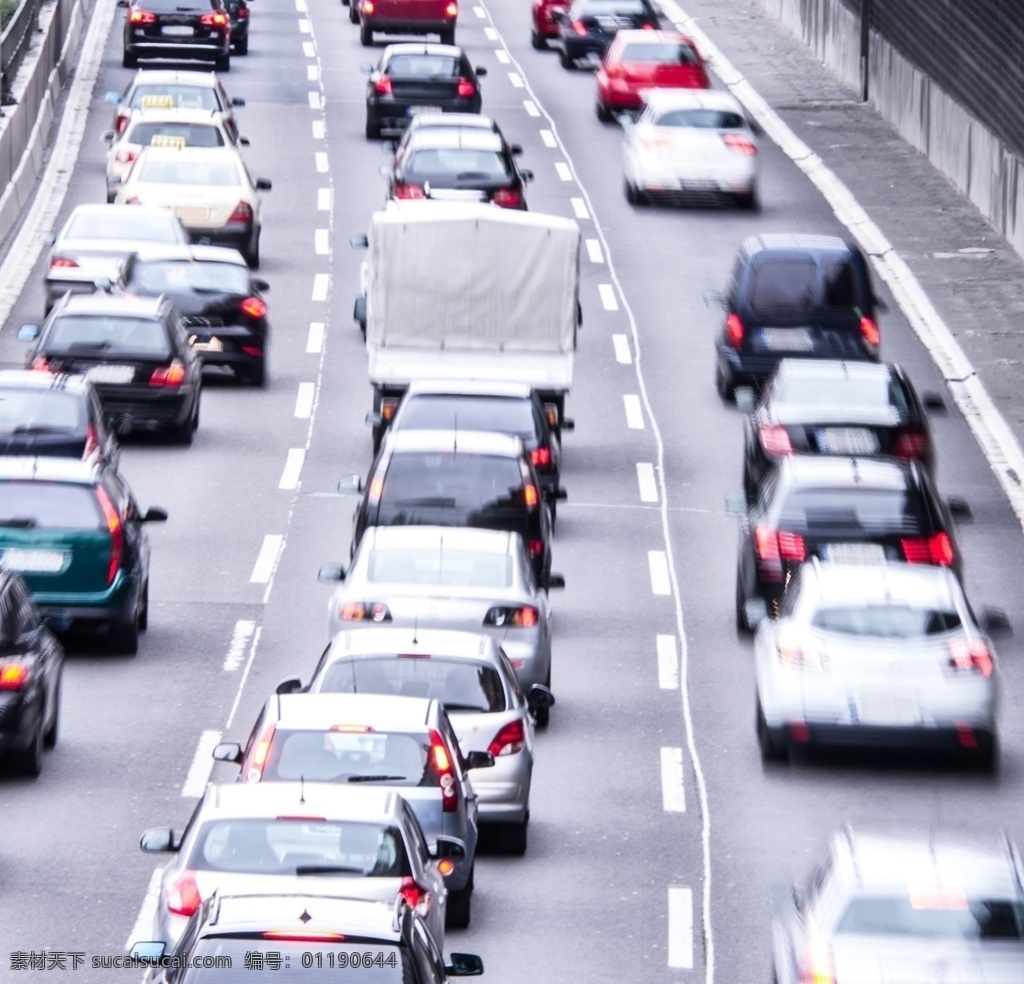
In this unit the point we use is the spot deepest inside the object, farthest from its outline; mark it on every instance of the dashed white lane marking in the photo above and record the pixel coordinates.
(608, 300)
(320, 284)
(308, 49)
(304, 25)
(479, 11)
(323, 199)
(502, 55)
(563, 170)
(668, 662)
(314, 100)
(143, 928)
(300, 6)
(491, 34)
(531, 107)
(658, 563)
(548, 138)
(321, 243)
(304, 400)
(579, 207)
(315, 341)
(202, 765)
(267, 558)
(647, 482)
(680, 928)
(622, 354)
(516, 79)
(319, 130)
(292, 469)
(312, 73)
(634, 415)
(594, 251)
(244, 629)
(321, 162)
(673, 793)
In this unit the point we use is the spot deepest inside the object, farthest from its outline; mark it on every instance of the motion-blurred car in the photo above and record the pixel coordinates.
(690, 145)
(449, 578)
(637, 61)
(176, 30)
(889, 655)
(154, 88)
(208, 188)
(587, 27)
(419, 79)
(405, 17)
(73, 531)
(134, 350)
(223, 311)
(94, 242)
(887, 906)
(543, 24)
(817, 406)
(449, 121)
(240, 14)
(847, 510)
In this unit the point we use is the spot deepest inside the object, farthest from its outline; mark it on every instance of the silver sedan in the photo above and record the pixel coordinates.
(877, 655)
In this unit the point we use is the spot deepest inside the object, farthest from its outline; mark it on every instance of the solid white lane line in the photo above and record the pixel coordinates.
(319, 130)
(202, 765)
(608, 301)
(267, 558)
(314, 100)
(491, 34)
(304, 26)
(308, 49)
(680, 928)
(563, 171)
(634, 415)
(668, 662)
(321, 281)
(479, 11)
(502, 55)
(312, 73)
(548, 138)
(323, 199)
(315, 341)
(658, 563)
(622, 354)
(580, 208)
(673, 793)
(244, 629)
(516, 79)
(594, 251)
(143, 928)
(531, 107)
(321, 243)
(304, 400)
(647, 482)
(292, 469)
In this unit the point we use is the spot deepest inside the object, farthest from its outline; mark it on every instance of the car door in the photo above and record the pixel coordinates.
(136, 541)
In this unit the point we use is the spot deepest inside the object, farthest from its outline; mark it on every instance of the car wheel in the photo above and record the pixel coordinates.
(603, 113)
(111, 197)
(724, 385)
(537, 41)
(129, 61)
(124, 637)
(448, 37)
(459, 905)
(353, 12)
(30, 761)
(773, 745)
(183, 433)
(512, 838)
(252, 254)
(741, 607)
(987, 755)
(50, 735)
(365, 35)
(750, 202)
(144, 609)
(372, 130)
(566, 62)
(256, 375)
(242, 46)
(222, 64)
(542, 717)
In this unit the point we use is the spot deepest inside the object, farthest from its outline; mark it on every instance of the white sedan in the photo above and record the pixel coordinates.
(688, 143)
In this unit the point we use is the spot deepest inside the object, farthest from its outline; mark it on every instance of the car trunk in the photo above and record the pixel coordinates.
(655, 75)
(54, 561)
(863, 959)
(424, 89)
(829, 431)
(45, 443)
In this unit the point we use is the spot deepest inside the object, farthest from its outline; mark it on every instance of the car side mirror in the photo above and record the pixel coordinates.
(374, 419)
(558, 15)
(359, 311)
(264, 184)
(366, 68)
(159, 840)
(515, 150)
(568, 424)
(959, 509)
(293, 685)
(228, 751)
(449, 847)
(479, 760)
(243, 141)
(56, 620)
(880, 305)
(28, 333)
(361, 241)
(480, 71)
(995, 622)
(464, 965)
(154, 514)
(237, 102)
(933, 403)
(554, 581)
(756, 611)
(108, 136)
(350, 483)
(736, 504)
(331, 572)
(260, 284)
(526, 175)
(714, 299)
(540, 697)
(112, 97)
(746, 398)
(558, 494)
(150, 953)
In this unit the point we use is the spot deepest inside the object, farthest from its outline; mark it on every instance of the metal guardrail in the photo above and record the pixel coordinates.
(14, 43)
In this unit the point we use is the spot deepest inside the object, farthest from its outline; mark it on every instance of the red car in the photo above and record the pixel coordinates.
(639, 60)
(544, 26)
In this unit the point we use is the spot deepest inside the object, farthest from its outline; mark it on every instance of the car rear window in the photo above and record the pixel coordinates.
(441, 567)
(935, 915)
(459, 684)
(886, 621)
(130, 225)
(500, 414)
(701, 119)
(665, 53)
(101, 335)
(867, 510)
(791, 284)
(25, 411)
(286, 961)
(461, 163)
(209, 173)
(194, 134)
(174, 96)
(424, 66)
(183, 6)
(188, 276)
(832, 391)
(455, 481)
(49, 506)
(283, 847)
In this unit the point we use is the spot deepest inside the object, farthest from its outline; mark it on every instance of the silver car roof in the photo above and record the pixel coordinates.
(374, 712)
(270, 800)
(437, 538)
(425, 642)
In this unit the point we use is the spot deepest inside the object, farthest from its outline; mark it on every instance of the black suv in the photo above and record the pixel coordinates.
(176, 30)
(589, 26)
(794, 295)
(456, 478)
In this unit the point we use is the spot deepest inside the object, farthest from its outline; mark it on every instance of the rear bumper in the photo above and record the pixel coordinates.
(577, 47)
(531, 661)
(395, 115)
(149, 47)
(114, 604)
(134, 408)
(754, 369)
(386, 25)
(234, 339)
(234, 234)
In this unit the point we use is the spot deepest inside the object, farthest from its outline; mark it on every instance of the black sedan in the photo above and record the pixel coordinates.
(238, 11)
(812, 406)
(847, 510)
(176, 30)
(588, 26)
(419, 78)
(223, 312)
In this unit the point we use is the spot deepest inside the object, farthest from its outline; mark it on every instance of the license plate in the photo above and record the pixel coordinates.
(854, 553)
(887, 709)
(111, 374)
(847, 440)
(177, 31)
(787, 339)
(33, 561)
(213, 344)
(192, 214)
(698, 184)
(424, 110)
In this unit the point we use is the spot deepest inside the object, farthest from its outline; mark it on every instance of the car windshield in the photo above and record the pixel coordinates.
(855, 393)
(289, 959)
(459, 162)
(188, 276)
(417, 481)
(25, 410)
(440, 566)
(856, 509)
(106, 335)
(500, 414)
(462, 683)
(700, 119)
(129, 225)
(424, 66)
(663, 53)
(49, 506)
(935, 915)
(177, 172)
(194, 134)
(285, 846)
(790, 284)
(174, 97)
(886, 621)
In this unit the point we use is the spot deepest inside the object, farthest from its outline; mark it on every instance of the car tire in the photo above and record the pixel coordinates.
(256, 375)
(252, 254)
(724, 384)
(144, 609)
(372, 130)
(565, 61)
(773, 746)
(365, 35)
(29, 762)
(512, 838)
(603, 113)
(52, 732)
(537, 41)
(124, 637)
(742, 625)
(448, 37)
(242, 46)
(222, 64)
(459, 906)
(751, 201)
(353, 12)
(987, 756)
(129, 61)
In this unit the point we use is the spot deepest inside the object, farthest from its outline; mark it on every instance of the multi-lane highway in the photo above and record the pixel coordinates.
(650, 808)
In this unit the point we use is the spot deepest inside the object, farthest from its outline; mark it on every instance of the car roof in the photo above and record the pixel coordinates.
(796, 242)
(153, 252)
(886, 583)
(439, 537)
(248, 914)
(226, 153)
(464, 138)
(452, 120)
(420, 48)
(165, 76)
(27, 468)
(469, 387)
(271, 800)
(119, 305)
(826, 369)
(663, 100)
(379, 712)
(30, 379)
(424, 642)
(460, 442)
(823, 471)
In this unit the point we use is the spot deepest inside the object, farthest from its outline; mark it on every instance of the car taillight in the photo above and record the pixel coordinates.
(183, 896)
(970, 655)
(252, 351)
(535, 547)
(775, 440)
(911, 443)
(734, 331)
(259, 756)
(507, 198)
(92, 440)
(807, 657)
(738, 144)
(63, 263)
(134, 200)
(253, 307)
(442, 764)
(816, 966)
(113, 521)
(509, 740)
(388, 406)
(171, 375)
(243, 12)
(121, 122)
(13, 676)
(141, 17)
(936, 549)
(551, 414)
(242, 213)
(648, 26)
(415, 894)
(364, 611)
(214, 19)
(580, 28)
(124, 157)
(541, 457)
(41, 364)
(367, 6)
(383, 85)
(525, 617)
(452, 10)
(376, 491)
(869, 330)
(775, 546)
(404, 190)
(531, 496)
(465, 89)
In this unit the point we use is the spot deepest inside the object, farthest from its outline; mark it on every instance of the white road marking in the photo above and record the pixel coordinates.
(303, 26)
(308, 49)
(321, 242)
(315, 341)
(244, 629)
(680, 927)
(245, 675)
(563, 170)
(314, 100)
(312, 73)
(608, 301)
(319, 130)
(321, 162)
(621, 345)
(479, 11)
(267, 559)
(502, 55)
(300, 6)
(491, 34)
(658, 563)
(647, 482)
(516, 79)
(292, 469)
(320, 284)
(548, 138)
(531, 107)
(202, 765)
(673, 793)
(594, 251)
(668, 662)
(634, 415)
(323, 199)
(143, 928)
(304, 400)
(580, 208)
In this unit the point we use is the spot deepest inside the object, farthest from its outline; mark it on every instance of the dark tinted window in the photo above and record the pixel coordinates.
(667, 53)
(842, 290)
(886, 621)
(194, 134)
(188, 276)
(456, 481)
(701, 119)
(174, 96)
(460, 162)
(856, 392)
(500, 414)
(784, 285)
(24, 411)
(130, 225)
(50, 506)
(424, 65)
(868, 510)
(175, 6)
(104, 335)
(604, 8)
(935, 914)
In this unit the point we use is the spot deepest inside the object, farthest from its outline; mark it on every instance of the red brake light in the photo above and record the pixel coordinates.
(367, 6)
(871, 334)
(734, 330)
(465, 89)
(183, 896)
(541, 457)
(141, 17)
(41, 364)
(92, 440)
(171, 375)
(509, 740)
(253, 307)
(507, 198)
(365, 611)
(121, 122)
(535, 547)
(384, 82)
(791, 547)
(242, 213)
(113, 521)
(580, 28)
(443, 766)
(291, 937)
(259, 756)
(214, 19)
(650, 27)
(134, 200)
(739, 144)
(123, 157)
(452, 10)
(63, 263)
(772, 547)
(388, 406)
(775, 440)
(415, 894)
(404, 190)
(936, 549)
(13, 676)
(972, 655)
(911, 443)
(243, 12)
(816, 967)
